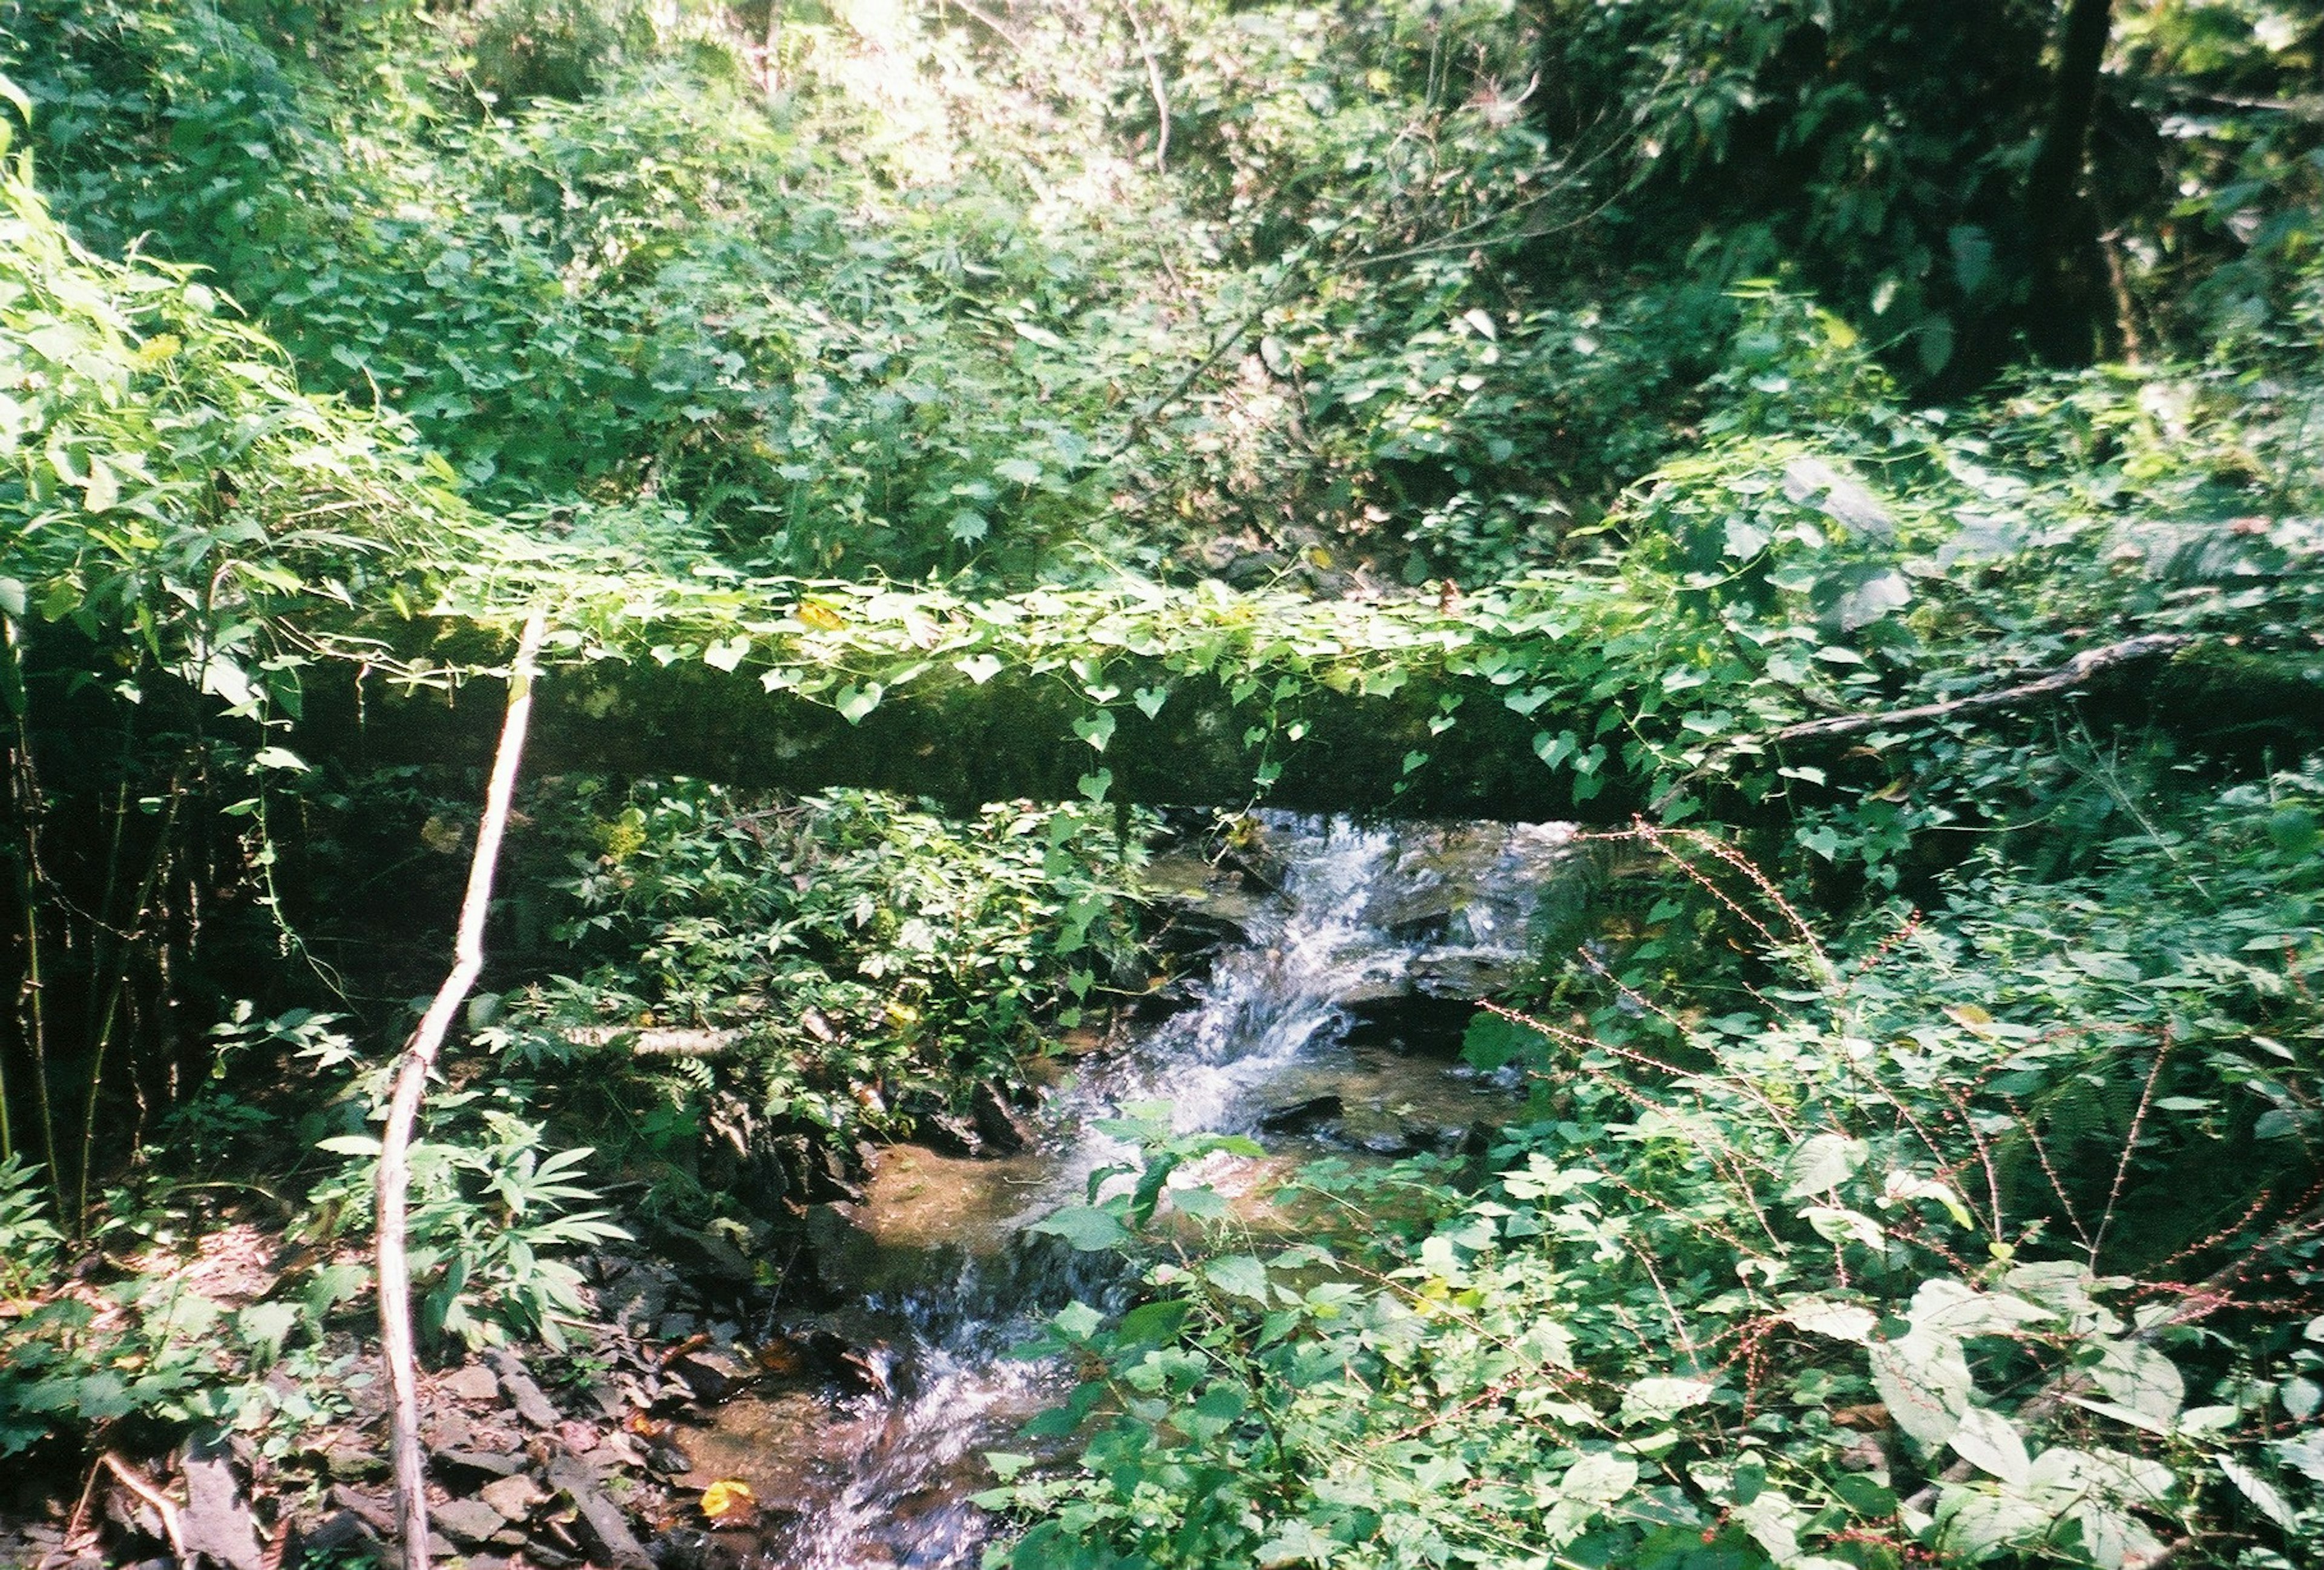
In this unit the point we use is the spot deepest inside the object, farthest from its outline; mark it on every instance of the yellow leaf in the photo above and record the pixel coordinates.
(821, 617)
(728, 1496)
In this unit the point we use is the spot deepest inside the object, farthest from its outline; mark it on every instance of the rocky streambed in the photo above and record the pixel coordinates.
(821, 1397)
(1338, 966)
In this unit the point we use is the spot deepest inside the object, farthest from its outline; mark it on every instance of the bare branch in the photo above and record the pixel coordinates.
(403, 1110)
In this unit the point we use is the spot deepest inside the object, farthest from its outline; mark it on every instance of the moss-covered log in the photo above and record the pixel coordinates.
(1438, 742)
(1012, 736)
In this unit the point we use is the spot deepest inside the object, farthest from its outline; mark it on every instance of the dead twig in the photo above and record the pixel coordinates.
(1154, 83)
(130, 1478)
(403, 1111)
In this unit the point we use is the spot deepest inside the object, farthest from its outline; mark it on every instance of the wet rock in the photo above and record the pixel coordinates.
(944, 1132)
(706, 1254)
(1411, 1024)
(713, 1377)
(637, 1300)
(1001, 1126)
(691, 1549)
(1084, 1041)
(215, 1519)
(1440, 1138)
(1202, 925)
(523, 1395)
(1300, 1117)
(1466, 974)
(466, 1521)
(666, 1457)
(828, 1177)
(473, 1382)
(1388, 1143)
(677, 1326)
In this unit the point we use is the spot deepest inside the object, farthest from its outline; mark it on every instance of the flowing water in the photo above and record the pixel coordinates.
(944, 1276)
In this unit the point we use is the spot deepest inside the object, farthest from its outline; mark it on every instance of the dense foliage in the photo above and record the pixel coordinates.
(1921, 1153)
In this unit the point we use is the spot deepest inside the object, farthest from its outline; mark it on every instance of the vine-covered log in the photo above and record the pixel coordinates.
(1442, 739)
(1015, 735)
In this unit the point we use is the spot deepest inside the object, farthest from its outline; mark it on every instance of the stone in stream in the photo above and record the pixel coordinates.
(1411, 1024)
(713, 1376)
(946, 1131)
(998, 1124)
(1301, 1117)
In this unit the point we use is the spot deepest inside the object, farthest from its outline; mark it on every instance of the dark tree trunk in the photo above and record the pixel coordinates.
(2066, 319)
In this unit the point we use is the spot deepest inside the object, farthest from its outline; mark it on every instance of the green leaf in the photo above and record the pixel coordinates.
(1240, 1275)
(1077, 1321)
(1087, 1229)
(1152, 1323)
(2139, 1377)
(222, 677)
(266, 1325)
(1659, 1399)
(1096, 729)
(1975, 1523)
(1841, 1321)
(2263, 1493)
(979, 667)
(854, 702)
(103, 491)
(278, 758)
(1986, 1439)
(1924, 1380)
(1821, 1163)
(1597, 1479)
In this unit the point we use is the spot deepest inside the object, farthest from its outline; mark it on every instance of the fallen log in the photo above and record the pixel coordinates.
(2077, 672)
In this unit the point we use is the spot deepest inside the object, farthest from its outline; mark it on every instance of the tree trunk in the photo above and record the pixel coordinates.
(2064, 316)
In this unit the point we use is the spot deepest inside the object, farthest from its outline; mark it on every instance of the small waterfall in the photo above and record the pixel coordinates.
(1362, 914)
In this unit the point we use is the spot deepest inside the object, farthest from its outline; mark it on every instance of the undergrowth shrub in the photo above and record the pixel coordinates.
(558, 48)
(848, 963)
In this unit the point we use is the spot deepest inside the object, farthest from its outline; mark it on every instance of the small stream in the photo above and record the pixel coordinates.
(1305, 1028)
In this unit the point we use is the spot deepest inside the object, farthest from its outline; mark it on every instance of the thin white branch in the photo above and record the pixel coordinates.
(403, 1112)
